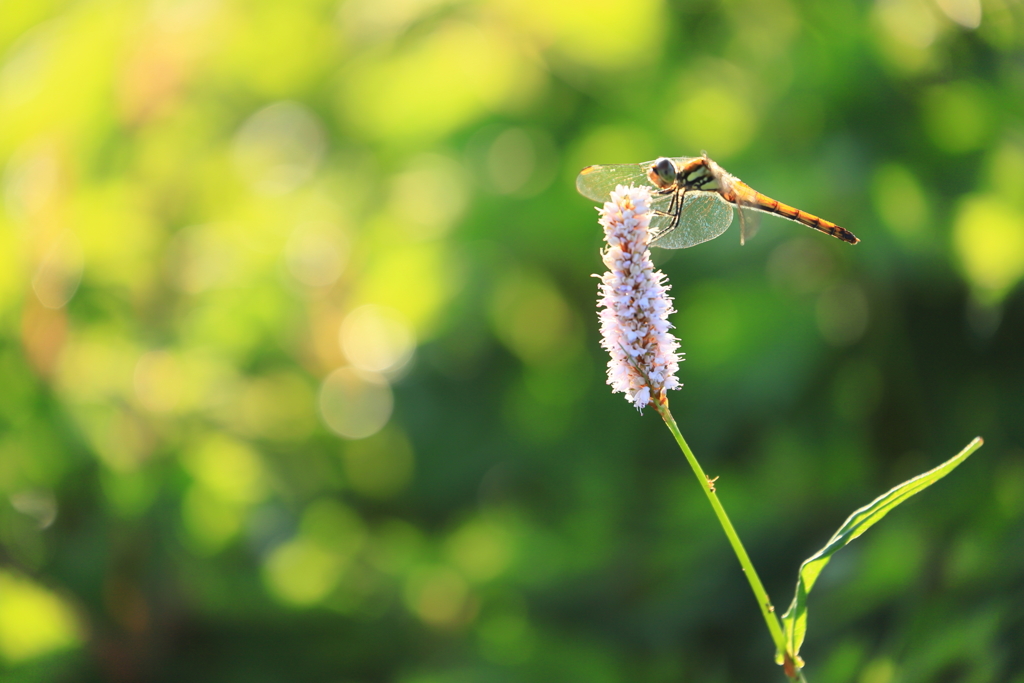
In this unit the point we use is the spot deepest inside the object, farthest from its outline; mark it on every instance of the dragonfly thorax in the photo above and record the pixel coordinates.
(698, 176)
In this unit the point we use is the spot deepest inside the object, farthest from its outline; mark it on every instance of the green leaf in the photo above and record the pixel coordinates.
(795, 619)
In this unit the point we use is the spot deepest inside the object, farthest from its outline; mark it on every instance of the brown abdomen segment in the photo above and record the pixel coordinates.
(769, 205)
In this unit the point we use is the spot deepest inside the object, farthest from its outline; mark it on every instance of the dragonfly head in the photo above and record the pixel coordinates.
(662, 173)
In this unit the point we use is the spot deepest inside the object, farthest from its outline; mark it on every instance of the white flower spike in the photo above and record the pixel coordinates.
(634, 303)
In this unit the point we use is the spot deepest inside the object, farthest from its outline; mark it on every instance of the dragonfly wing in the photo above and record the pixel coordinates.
(705, 216)
(597, 182)
(750, 222)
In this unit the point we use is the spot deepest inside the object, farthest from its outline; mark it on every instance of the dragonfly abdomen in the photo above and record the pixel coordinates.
(769, 205)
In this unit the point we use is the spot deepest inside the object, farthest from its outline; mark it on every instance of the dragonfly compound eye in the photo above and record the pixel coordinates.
(662, 173)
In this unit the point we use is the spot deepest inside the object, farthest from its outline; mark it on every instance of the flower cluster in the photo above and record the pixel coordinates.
(634, 305)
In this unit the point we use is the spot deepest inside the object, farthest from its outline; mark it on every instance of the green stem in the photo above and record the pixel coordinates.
(755, 583)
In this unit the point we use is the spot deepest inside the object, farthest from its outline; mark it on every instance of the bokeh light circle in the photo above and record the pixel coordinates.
(355, 404)
(279, 147)
(377, 339)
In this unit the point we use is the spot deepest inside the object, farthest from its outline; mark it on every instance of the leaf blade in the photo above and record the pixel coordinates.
(794, 621)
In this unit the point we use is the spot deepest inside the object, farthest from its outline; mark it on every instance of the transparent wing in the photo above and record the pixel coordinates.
(597, 182)
(705, 216)
(750, 222)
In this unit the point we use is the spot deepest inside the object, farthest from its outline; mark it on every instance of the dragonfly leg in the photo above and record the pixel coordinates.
(671, 209)
(678, 206)
(671, 204)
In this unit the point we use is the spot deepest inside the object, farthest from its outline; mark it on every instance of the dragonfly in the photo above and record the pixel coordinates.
(693, 200)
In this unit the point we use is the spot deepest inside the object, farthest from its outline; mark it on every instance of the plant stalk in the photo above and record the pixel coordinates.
(767, 610)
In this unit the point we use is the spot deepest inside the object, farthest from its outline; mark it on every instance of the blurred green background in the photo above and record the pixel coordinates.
(299, 356)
